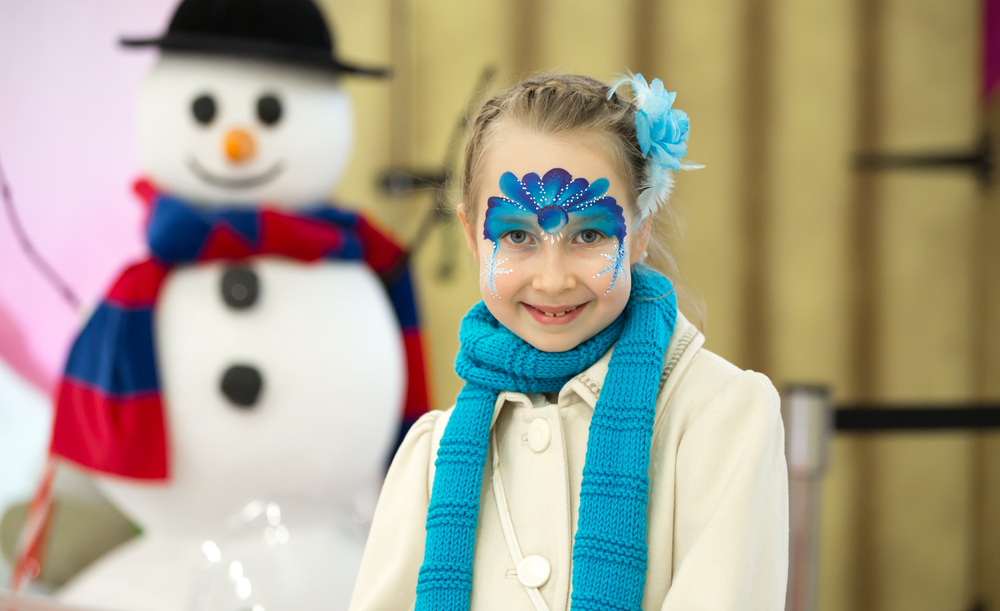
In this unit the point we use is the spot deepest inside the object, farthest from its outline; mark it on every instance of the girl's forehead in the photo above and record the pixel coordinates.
(520, 151)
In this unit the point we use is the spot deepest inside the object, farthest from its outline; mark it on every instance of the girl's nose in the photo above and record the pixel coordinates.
(555, 274)
(239, 146)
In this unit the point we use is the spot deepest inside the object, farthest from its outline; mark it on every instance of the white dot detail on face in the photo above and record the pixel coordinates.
(615, 265)
(492, 269)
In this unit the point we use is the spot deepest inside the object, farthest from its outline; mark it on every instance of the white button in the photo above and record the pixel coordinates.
(533, 571)
(539, 434)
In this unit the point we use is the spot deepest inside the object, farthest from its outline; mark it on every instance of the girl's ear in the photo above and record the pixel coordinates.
(469, 229)
(640, 239)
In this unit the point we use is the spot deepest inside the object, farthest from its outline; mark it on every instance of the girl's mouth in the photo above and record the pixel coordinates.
(558, 315)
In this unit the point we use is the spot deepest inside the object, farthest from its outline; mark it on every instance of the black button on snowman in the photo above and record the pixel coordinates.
(240, 287)
(276, 374)
(241, 384)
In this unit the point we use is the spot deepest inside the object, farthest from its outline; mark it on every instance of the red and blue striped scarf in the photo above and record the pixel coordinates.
(109, 410)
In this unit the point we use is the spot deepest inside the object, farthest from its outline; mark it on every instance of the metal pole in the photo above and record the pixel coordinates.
(807, 415)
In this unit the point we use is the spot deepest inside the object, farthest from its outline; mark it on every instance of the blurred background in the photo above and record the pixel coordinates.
(884, 285)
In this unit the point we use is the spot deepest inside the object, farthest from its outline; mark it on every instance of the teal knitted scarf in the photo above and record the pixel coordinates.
(609, 551)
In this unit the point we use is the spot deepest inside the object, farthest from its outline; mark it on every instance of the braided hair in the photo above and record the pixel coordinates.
(558, 104)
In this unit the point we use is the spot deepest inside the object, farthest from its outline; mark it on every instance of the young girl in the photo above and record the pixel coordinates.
(597, 456)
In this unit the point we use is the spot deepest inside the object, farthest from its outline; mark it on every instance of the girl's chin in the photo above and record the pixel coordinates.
(552, 338)
(550, 343)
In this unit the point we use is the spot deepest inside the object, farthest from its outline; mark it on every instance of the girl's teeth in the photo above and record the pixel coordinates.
(558, 315)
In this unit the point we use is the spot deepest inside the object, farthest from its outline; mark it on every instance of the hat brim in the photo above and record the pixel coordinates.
(256, 49)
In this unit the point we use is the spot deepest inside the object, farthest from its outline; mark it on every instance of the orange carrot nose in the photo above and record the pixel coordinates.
(239, 146)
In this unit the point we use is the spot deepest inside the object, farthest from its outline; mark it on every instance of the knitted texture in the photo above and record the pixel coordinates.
(609, 553)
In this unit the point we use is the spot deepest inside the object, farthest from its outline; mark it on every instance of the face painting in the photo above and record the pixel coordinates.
(551, 227)
(549, 209)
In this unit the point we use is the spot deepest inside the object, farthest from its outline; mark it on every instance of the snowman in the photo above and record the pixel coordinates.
(269, 343)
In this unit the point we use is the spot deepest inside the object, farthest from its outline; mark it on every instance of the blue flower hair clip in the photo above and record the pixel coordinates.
(662, 133)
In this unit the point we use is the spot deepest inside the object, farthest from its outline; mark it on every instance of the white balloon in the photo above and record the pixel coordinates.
(302, 557)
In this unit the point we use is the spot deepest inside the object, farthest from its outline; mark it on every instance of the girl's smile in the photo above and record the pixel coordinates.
(558, 315)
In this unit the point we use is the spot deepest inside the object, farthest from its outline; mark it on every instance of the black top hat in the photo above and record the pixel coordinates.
(291, 31)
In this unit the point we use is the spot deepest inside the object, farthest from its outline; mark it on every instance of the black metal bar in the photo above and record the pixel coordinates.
(860, 419)
(922, 160)
(400, 181)
(405, 182)
(979, 160)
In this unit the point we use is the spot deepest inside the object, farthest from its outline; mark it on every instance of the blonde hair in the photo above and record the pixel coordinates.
(571, 105)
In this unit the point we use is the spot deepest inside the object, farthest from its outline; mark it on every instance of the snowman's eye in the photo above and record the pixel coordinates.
(269, 109)
(203, 109)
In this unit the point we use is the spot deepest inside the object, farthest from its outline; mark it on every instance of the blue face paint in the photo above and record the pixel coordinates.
(547, 203)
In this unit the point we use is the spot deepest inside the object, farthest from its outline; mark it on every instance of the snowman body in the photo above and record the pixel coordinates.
(277, 376)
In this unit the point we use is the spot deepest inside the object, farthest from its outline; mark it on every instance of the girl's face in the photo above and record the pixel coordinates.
(554, 238)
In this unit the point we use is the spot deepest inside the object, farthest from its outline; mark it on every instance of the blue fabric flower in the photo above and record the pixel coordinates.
(662, 134)
(662, 131)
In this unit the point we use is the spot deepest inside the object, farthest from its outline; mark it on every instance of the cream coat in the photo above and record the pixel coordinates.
(718, 502)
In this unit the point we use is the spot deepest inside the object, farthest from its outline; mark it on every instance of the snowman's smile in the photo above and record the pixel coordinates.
(235, 182)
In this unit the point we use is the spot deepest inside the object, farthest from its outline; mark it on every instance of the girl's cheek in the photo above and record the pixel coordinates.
(491, 268)
(605, 269)
(501, 269)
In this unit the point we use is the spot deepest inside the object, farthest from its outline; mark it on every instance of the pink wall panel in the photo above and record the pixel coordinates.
(67, 92)
(991, 46)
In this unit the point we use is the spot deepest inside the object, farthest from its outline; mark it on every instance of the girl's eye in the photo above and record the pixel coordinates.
(589, 236)
(517, 237)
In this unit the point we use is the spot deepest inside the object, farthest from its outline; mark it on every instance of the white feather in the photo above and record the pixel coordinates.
(656, 187)
(638, 84)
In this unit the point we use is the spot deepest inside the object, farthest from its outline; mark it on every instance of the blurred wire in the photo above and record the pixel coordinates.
(43, 266)
(400, 182)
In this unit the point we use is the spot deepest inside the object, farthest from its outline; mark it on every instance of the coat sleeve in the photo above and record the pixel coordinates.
(387, 580)
(731, 511)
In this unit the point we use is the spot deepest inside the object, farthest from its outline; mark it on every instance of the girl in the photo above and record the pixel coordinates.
(597, 456)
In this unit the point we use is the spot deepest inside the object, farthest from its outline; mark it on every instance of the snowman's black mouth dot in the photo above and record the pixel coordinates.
(241, 182)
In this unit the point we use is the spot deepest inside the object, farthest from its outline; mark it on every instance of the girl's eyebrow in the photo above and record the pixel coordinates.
(580, 223)
(506, 222)
(522, 223)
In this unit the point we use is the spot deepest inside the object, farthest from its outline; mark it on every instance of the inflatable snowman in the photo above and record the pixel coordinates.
(269, 343)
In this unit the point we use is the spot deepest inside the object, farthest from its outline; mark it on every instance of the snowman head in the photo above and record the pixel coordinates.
(245, 105)
(215, 129)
